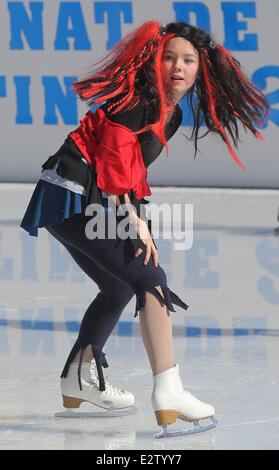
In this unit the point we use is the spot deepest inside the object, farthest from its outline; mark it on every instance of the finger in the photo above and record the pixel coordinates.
(138, 252)
(147, 255)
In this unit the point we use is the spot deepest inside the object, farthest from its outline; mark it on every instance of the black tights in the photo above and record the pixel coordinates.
(119, 275)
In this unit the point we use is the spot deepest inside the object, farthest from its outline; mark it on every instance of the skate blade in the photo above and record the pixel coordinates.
(72, 413)
(196, 429)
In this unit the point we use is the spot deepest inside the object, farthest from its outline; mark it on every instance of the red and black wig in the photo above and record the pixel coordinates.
(131, 72)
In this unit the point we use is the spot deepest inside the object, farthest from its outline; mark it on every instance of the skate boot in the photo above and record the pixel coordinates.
(83, 386)
(170, 401)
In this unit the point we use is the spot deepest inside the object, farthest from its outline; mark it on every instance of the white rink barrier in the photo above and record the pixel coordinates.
(228, 276)
(46, 44)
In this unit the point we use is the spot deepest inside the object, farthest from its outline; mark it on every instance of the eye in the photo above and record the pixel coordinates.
(168, 57)
(188, 61)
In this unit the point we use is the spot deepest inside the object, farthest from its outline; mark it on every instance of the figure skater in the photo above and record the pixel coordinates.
(137, 88)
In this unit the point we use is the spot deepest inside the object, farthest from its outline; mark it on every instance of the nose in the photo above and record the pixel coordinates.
(177, 66)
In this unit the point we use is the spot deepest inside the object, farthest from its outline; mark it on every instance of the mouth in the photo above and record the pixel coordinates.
(176, 78)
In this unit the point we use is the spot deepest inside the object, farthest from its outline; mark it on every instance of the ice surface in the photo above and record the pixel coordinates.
(226, 343)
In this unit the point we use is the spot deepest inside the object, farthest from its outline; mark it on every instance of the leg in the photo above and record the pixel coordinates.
(78, 377)
(154, 301)
(156, 331)
(169, 399)
(113, 297)
(116, 258)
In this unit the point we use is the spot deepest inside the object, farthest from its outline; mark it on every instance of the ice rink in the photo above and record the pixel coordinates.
(227, 343)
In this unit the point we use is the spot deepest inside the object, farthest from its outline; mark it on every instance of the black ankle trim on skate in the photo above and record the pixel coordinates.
(76, 348)
(79, 367)
(100, 360)
(169, 298)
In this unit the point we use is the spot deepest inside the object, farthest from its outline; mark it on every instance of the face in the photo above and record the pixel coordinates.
(180, 65)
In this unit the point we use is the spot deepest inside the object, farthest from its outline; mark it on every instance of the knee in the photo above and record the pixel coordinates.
(157, 277)
(118, 295)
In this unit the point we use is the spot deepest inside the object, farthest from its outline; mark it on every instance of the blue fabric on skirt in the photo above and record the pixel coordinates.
(49, 205)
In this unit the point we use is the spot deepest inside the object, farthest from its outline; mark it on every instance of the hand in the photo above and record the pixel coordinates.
(144, 234)
(141, 228)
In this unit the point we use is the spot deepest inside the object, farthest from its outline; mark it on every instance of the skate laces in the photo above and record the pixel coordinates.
(110, 389)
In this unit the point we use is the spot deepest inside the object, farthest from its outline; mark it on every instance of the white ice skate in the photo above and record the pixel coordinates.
(118, 402)
(170, 401)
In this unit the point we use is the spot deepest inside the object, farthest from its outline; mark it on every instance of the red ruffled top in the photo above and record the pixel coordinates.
(115, 152)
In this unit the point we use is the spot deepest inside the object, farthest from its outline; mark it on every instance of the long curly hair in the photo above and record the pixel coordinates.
(131, 72)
